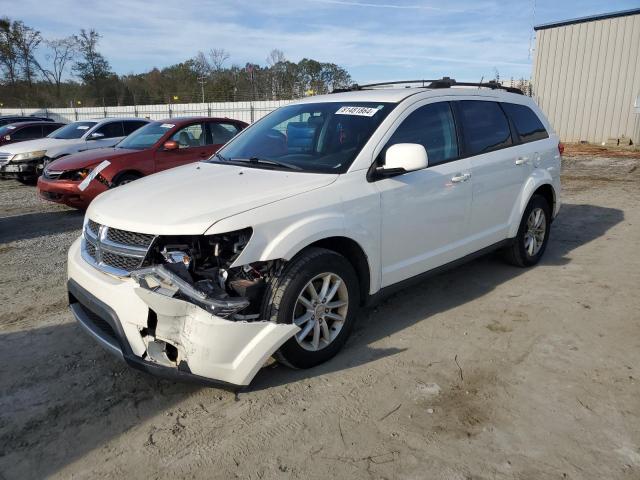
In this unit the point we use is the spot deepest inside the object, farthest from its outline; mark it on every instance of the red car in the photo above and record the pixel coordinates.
(77, 179)
(23, 130)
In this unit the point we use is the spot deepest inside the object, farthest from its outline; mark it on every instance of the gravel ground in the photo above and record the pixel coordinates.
(487, 371)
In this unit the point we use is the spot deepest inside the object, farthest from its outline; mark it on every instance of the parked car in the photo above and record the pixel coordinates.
(77, 179)
(22, 131)
(24, 161)
(7, 119)
(324, 205)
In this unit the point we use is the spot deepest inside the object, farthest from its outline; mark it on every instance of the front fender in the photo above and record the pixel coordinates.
(537, 178)
(285, 243)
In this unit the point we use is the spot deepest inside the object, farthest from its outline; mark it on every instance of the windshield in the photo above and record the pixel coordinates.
(311, 137)
(73, 130)
(146, 136)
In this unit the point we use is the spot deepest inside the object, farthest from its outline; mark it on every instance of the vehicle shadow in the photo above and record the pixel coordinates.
(576, 225)
(40, 224)
(62, 397)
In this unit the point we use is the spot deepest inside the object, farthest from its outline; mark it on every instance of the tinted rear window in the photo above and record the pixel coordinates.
(485, 126)
(527, 123)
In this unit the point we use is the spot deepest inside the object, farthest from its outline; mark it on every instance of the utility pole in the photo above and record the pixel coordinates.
(202, 81)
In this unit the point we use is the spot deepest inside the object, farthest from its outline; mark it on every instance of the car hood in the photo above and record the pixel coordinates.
(87, 158)
(39, 144)
(188, 200)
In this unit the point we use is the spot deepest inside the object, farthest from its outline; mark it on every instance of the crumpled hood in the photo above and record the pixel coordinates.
(39, 144)
(87, 158)
(188, 200)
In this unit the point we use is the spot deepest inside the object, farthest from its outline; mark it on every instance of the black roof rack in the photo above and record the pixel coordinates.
(444, 82)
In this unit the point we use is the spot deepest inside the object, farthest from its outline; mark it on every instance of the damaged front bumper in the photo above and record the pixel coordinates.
(168, 336)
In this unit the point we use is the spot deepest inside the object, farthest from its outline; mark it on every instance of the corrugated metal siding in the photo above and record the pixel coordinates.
(586, 78)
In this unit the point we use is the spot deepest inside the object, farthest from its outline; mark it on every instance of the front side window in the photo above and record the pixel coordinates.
(111, 130)
(527, 123)
(191, 136)
(311, 137)
(73, 130)
(485, 126)
(433, 127)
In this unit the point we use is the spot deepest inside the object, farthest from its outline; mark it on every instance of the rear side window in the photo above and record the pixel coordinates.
(431, 126)
(485, 126)
(26, 133)
(527, 123)
(111, 130)
(222, 132)
(131, 126)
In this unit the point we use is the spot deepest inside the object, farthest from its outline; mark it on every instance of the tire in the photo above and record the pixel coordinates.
(31, 181)
(522, 253)
(282, 303)
(125, 178)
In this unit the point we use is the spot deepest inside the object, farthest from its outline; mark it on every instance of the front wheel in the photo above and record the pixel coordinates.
(125, 178)
(533, 234)
(318, 292)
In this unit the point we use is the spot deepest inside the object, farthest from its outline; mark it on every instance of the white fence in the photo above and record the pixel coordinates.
(245, 111)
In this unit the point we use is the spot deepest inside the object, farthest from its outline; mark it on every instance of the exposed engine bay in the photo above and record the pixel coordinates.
(197, 269)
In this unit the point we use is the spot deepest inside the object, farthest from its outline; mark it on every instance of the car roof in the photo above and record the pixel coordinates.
(396, 95)
(31, 123)
(113, 119)
(180, 120)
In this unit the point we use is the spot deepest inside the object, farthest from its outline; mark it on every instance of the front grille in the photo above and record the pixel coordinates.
(4, 157)
(129, 238)
(115, 251)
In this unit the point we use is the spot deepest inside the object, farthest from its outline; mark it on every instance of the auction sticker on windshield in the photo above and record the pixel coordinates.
(82, 127)
(360, 111)
(167, 125)
(94, 173)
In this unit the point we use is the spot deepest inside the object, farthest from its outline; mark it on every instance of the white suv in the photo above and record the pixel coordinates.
(272, 245)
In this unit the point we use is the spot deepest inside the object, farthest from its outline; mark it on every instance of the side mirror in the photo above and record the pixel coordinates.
(170, 145)
(402, 158)
(96, 136)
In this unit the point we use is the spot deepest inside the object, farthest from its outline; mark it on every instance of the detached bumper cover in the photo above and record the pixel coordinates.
(205, 348)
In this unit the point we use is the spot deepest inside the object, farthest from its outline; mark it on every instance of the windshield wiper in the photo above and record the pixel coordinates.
(217, 155)
(266, 161)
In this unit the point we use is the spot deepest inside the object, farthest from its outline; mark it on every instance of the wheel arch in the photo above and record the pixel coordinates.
(355, 255)
(121, 173)
(540, 183)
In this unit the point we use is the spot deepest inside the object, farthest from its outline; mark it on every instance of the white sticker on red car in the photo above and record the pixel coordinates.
(94, 173)
(167, 125)
(360, 111)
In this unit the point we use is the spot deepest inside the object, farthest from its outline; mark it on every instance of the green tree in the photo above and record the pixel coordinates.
(92, 67)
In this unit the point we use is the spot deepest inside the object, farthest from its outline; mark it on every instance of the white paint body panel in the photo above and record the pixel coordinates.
(405, 225)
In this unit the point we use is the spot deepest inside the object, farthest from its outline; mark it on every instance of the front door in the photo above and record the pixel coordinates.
(192, 147)
(425, 213)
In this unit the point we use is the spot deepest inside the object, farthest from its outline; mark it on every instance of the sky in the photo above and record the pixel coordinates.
(375, 40)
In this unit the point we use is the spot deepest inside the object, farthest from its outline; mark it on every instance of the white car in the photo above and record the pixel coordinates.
(323, 206)
(25, 160)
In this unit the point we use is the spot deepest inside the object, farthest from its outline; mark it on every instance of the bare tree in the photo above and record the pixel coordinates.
(201, 64)
(218, 56)
(61, 52)
(9, 57)
(27, 40)
(275, 57)
(92, 67)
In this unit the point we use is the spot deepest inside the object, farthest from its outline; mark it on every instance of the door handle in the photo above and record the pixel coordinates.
(522, 160)
(461, 177)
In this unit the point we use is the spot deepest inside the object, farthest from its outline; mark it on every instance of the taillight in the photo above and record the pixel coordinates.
(561, 147)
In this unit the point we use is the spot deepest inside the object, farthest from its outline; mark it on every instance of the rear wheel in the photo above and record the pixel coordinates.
(533, 234)
(318, 292)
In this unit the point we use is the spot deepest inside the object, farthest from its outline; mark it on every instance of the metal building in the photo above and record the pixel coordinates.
(586, 76)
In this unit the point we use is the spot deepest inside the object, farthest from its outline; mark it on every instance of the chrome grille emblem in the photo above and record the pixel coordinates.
(115, 257)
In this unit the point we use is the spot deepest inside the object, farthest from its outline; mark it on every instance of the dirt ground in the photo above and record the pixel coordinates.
(485, 372)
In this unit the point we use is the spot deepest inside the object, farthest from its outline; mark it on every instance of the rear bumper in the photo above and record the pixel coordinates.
(66, 192)
(134, 323)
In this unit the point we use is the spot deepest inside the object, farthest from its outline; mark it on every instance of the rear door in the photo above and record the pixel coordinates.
(497, 176)
(192, 146)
